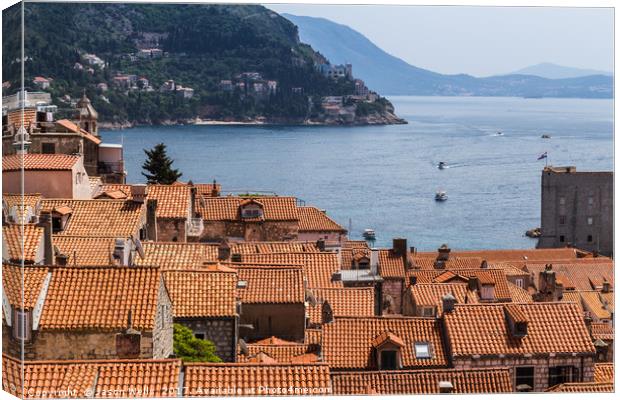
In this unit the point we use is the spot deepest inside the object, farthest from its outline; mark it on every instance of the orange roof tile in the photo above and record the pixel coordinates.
(430, 294)
(319, 268)
(177, 256)
(111, 194)
(206, 189)
(506, 255)
(593, 302)
(348, 256)
(518, 294)
(39, 162)
(85, 250)
(101, 218)
(271, 284)
(391, 265)
(348, 341)
(227, 208)
(604, 372)
(15, 117)
(387, 337)
(579, 276)
(602, 330)
(23, 242)
(354, 302)
(489, 275)
(100, 298)
(273, 247)
(283, 352)
(202, 293)
(356, 244)
(156, 378)
(583, 387)
(311, 219)
(21, 209)
(173, 201)
(313, 336)
(551, 328)
(255, 379)
(451, 263)
(422, 382)
(32, 278)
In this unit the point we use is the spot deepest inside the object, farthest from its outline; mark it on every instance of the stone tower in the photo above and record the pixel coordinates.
(86, 116)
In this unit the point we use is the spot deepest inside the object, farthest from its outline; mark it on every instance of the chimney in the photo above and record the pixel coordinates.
(193, 192)
(549, 289)
(445, 387)
(443, 253)
(235, 257)
(327, 314)
(484, 264)
(606, 286)
(413, 250)
(413, 280)
(447, 302)
(472, 283)
(151, 219)
(121, 253)
(374, 261)
(223, 251)
(588, 321)
(45, 221)
(214, 191)
(139, 192)
(399, 247)
(321, 244)
(62, 259)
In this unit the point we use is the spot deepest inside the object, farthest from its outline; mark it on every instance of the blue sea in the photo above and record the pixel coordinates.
(385, 177)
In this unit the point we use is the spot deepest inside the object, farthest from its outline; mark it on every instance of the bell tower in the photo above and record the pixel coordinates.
(86, 115)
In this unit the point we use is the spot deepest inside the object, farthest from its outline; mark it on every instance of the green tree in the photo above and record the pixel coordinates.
(191, 349)
(159, 167)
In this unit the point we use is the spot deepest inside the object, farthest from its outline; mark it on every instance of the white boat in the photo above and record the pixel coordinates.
(369, 234)
(441, 196)
(442, 165)
(499, 133)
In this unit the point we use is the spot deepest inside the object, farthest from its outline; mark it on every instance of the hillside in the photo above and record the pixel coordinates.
(391, 75)
(554, 71)
(168, 63)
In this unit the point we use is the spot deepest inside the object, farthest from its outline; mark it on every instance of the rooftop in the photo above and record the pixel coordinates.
(227, 208)
(39, 162)
(355, 302)
(176, 255)
(22, 242)
(311, 219)
(271, 284)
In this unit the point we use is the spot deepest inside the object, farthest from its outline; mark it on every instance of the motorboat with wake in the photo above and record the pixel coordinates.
(441, 196)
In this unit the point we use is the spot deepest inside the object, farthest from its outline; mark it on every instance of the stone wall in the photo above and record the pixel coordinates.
(330, 237)
(163, 331)
(171, 230)
(221, 331)
(215, 231)
(541, 365)
(286, 321)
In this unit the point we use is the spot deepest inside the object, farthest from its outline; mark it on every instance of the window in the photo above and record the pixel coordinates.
(422, 350)
(56, 224)
(589, 238)
(519, 282)
(48, 148)
(562, 219)
(524, 381)
(590, 220)
(21, 329)
(487, 292)
(388, 359)
(199, 335)
(590, 201)
(251, 213)
(562, 374)
(428, 312)
(562, 200)
(561, 238)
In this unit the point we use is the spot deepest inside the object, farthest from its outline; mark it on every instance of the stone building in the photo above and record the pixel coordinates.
(577, 209)
(314, 224)
(87, 313)
(205, 300)
(544, 344)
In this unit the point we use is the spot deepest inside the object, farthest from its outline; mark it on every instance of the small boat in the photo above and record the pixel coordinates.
(545, 136)
(442, 165)
(369, 234)
(499, 133)
(441, 196)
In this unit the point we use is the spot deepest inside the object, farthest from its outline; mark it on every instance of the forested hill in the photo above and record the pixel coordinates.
(197, 46)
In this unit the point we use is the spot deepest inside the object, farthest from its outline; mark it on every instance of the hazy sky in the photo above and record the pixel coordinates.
(480, 41)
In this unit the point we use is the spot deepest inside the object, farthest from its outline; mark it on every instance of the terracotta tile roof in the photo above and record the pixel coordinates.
(593, 302)
(100, 218)
(227, 208)
(24, 246)
(430, 294)
(489, 275)
(21, 208)
(518, 294)
(15, 117)
(85, 250)
(583, 387)
(354, 302)
(39, 162)
(202, 293)
(100, 298)
(451, 263)
(280, 352)
(390, 265)
(510, 268)
(604, 372)
(32, 277)
(506, 255)
(313, 336)
(177, 256)
(311, 219)
(102, 378)
(273, 247)
(271, 284)
(69, 125)
(173, 201)
(349, 255)
(255, 379)
(608, 300)
(206, 189)
(580, 276)
(551, 328)
(318, 267)
(603, 331)
(348, 341)
(111, 194)
(355, 244)
(494, 380)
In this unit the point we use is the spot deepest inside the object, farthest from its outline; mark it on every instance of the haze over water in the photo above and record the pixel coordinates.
(385, 177)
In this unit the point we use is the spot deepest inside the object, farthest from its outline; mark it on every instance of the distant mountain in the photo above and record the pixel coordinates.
(554, 71)
(391, 75)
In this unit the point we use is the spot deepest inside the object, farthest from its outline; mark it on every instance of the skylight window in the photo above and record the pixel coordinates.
(422, 350)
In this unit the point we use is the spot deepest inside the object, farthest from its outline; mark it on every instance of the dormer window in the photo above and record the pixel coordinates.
(251, 209)
(389, 360)
(487, 292)
(422, 350)
(388, 350)
(251, 213)
(22, 328)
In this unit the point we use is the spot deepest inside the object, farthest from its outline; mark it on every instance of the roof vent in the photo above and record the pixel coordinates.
(445, 387)
(242, 284)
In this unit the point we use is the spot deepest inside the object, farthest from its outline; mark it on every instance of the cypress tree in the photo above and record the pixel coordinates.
(158, 166)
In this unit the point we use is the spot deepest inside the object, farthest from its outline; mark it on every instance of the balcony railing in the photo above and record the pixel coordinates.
(195, 226)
